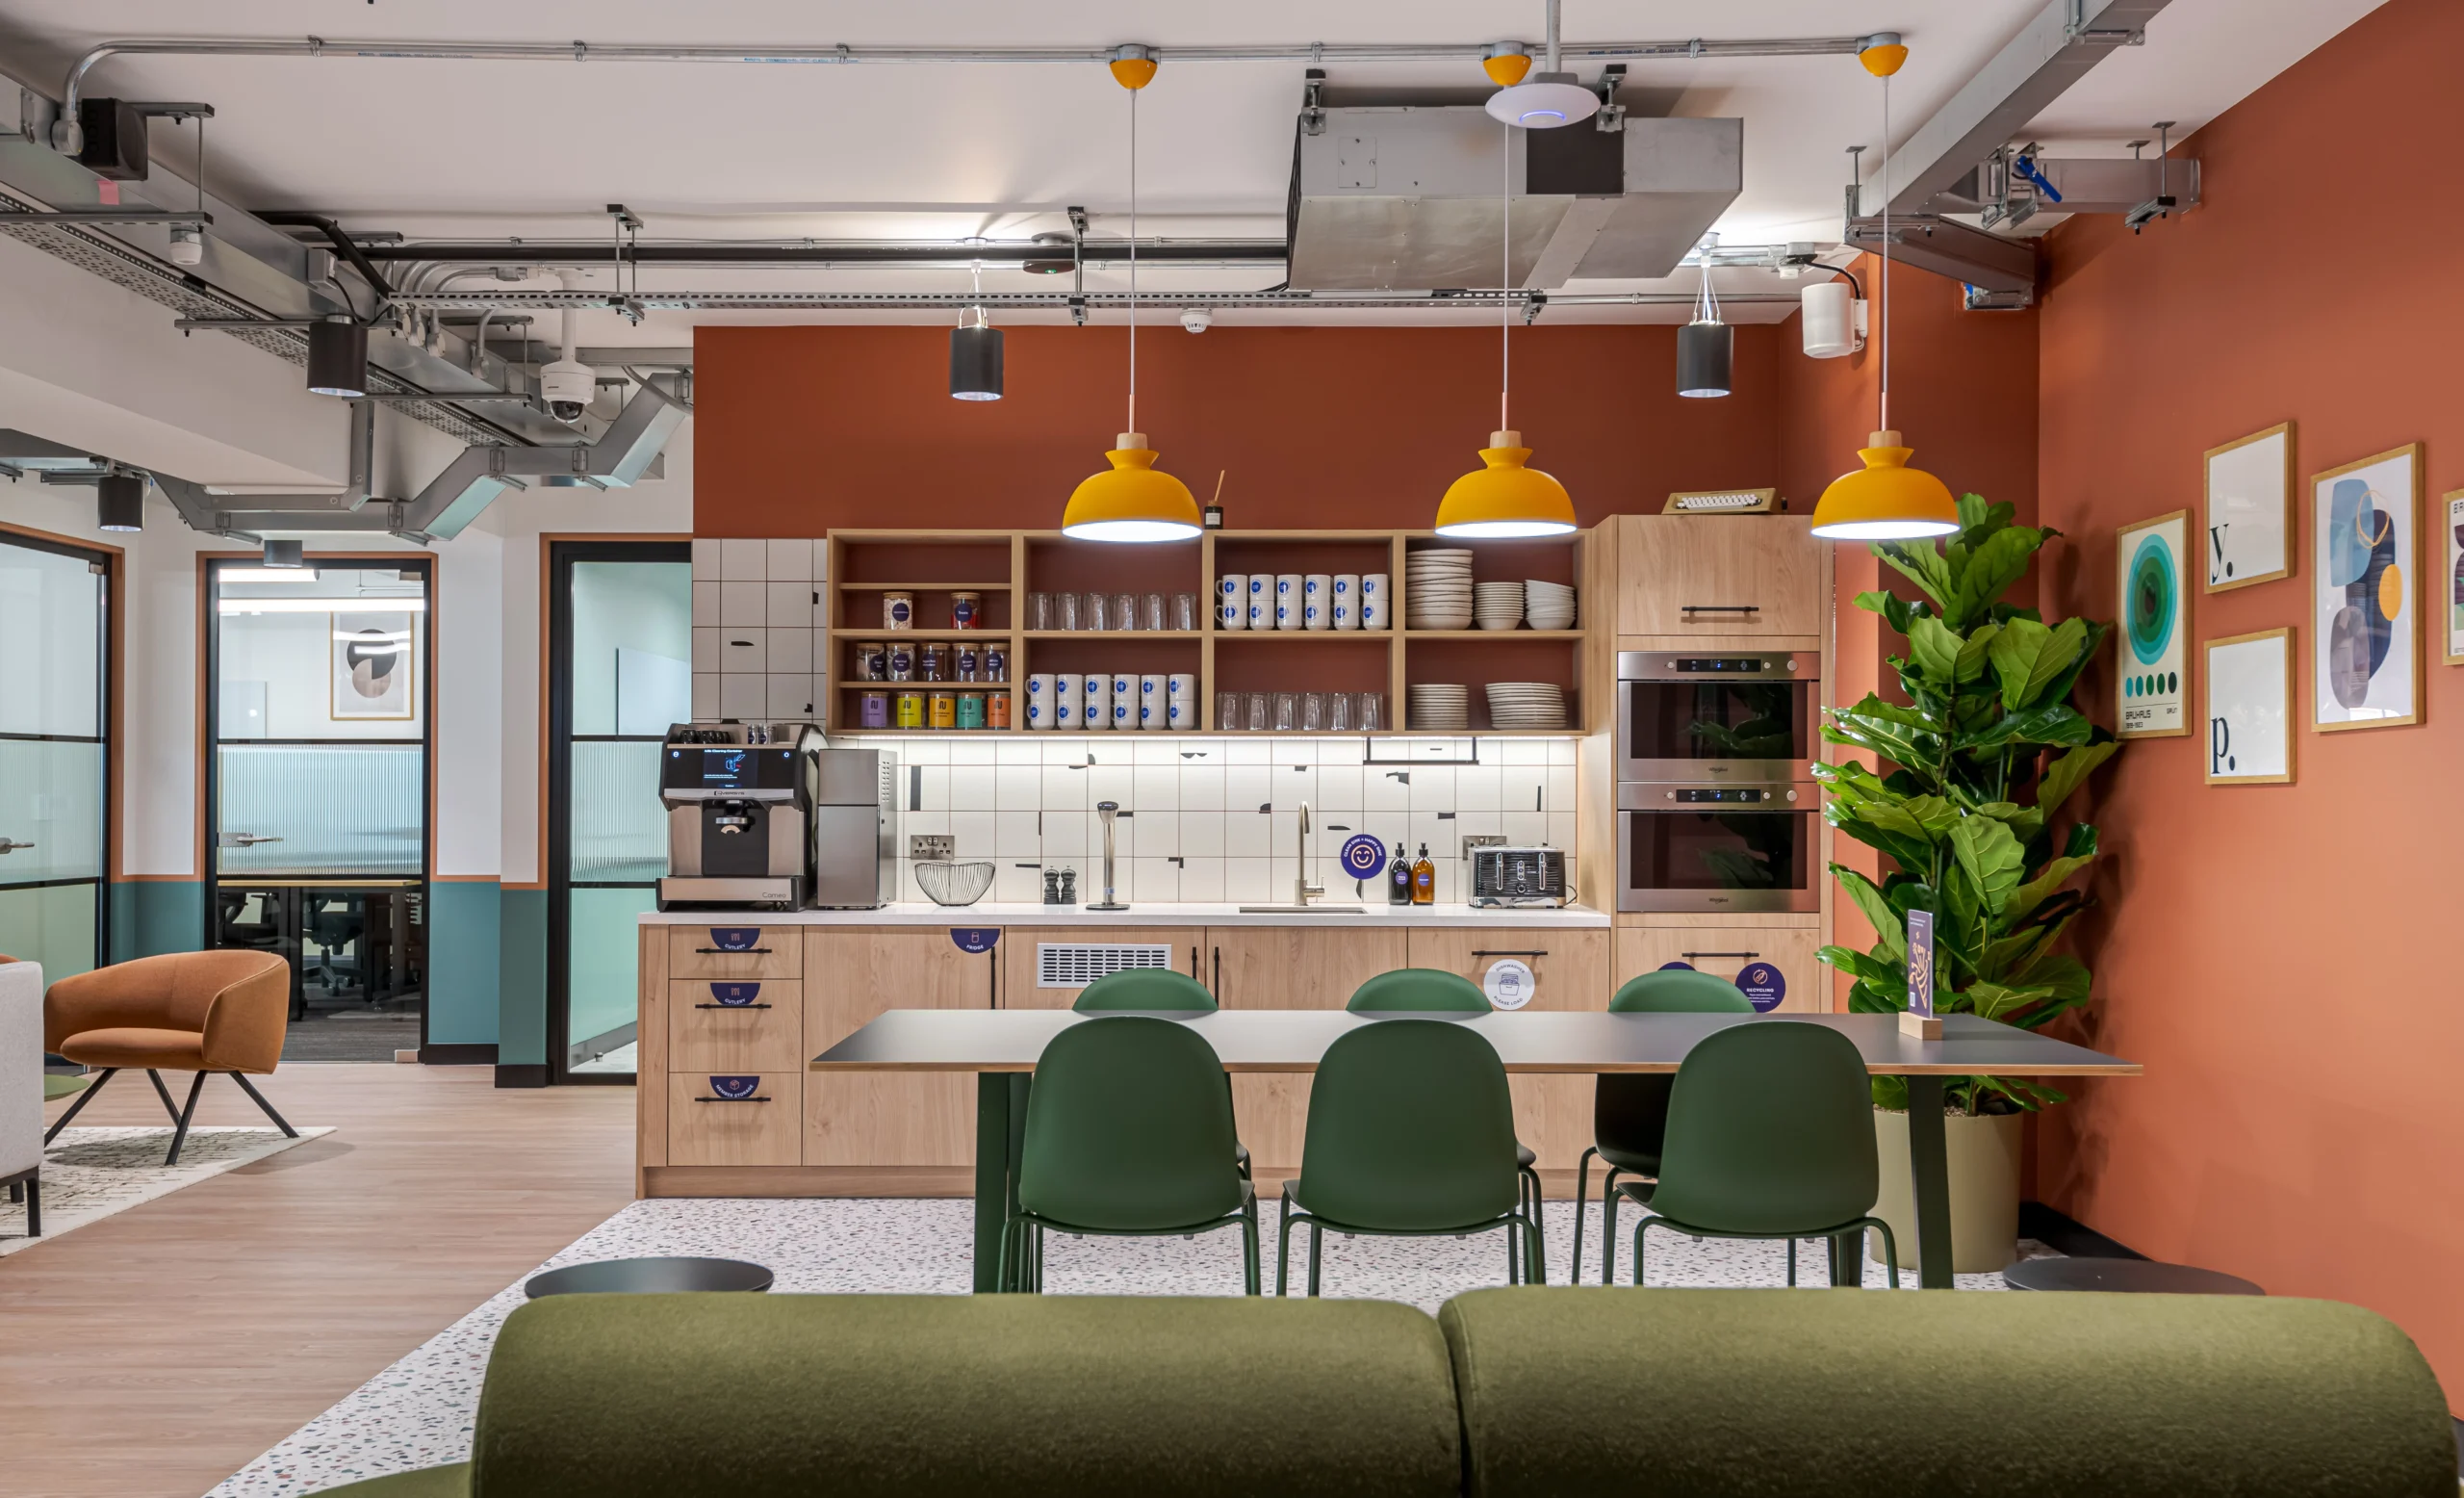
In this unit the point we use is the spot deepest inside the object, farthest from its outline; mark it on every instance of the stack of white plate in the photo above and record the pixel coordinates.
(1548, 606)
(1438, 708)
(1437, 591)
(1496, 605)
(1533, 705)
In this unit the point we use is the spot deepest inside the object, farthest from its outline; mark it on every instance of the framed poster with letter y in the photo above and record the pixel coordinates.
(2249, 509)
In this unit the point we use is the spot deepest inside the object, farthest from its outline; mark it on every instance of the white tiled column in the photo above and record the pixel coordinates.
(758, 651)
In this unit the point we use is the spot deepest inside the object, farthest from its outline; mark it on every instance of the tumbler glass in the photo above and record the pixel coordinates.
(1370, 707)
(1095, 612)
(1184, 610)
(1339, 713)
(1070, 609)
(1257, 719)
(1040, 611)
(1287, 711)
(1124, 611)
(1151, 612)
(1231, 709)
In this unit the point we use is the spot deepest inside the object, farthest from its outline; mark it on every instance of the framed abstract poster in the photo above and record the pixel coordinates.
(2451, 585)
(2153, 671)
(2248, 516)
(2249, 682)
(372, 667)
(2366, 568)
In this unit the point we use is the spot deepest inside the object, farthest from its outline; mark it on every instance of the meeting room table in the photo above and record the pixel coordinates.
(1001, 1048)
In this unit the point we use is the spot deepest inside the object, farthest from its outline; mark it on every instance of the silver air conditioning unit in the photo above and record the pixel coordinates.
(1419, 198)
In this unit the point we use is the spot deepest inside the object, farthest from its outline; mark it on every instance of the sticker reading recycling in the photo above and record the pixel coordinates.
(1509, 983)
(1762, 985)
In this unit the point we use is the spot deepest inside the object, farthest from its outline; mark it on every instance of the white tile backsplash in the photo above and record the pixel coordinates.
(788, 561)
(744, 562)
(743, 603)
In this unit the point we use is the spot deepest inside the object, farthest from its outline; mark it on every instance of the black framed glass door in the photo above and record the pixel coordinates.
(55, 754)
(620, 672)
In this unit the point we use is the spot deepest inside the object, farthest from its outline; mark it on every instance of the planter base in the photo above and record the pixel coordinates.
(1984, 1190)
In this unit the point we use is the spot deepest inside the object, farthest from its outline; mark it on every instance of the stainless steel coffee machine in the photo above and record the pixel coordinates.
(739, 815)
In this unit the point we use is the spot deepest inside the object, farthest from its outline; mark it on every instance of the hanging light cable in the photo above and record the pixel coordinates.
(1886, 500)
(1707, 347)
(1132, 502)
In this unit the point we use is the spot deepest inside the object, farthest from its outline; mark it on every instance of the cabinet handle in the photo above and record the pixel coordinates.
(1192, 962)
(732, 951)
(730, 1099)
(1480, 952)
(1720, 608)
(1748, 956)
(730, 1006)
(993, 977)
(1219, 974)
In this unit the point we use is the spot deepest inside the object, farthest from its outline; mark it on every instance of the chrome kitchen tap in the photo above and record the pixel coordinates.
(1302, 890)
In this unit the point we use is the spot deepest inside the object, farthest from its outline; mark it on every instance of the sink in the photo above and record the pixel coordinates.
(1305, 910)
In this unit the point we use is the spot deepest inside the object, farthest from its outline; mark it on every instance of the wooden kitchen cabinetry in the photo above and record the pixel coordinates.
(1021, 967)
(1289, 967)
(1725, 950)
(923, 1124)
(1731, 575)
(1570, 971)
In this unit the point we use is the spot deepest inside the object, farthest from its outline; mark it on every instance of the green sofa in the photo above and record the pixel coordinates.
(1804, 1393)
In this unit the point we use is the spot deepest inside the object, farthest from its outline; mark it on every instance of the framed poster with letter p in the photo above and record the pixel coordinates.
(2249, 680)
(2151, 686)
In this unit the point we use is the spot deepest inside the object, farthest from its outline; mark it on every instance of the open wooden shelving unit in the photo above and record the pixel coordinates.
(1006, 566)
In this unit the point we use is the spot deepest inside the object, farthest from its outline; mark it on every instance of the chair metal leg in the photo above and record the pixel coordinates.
(1538, 1213)
(1609, 1200)
(180, 1135)
(1640, 1228)
(1891, 1249)
(1582, 1202)
(1283, 1251)
(1249, 1249)
(163, 1093)
(1792, 1259)
(83, 1098)
(279, 1121)
(1316, 1253)
(34, 1205)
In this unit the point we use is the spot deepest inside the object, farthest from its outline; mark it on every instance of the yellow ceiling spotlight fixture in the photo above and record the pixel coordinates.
(1546, 99)
(1886, 500)
(1502, 498)
(1130, 501)
(1506, 63)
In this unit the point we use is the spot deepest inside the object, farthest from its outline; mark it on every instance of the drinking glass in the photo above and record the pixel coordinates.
(1287, 711)
(1371, 708)
(1257, 721)
(1068, 607)
(1339, 713)
(1313, 712)
(1094, 611)
(1040, 611)
(1230, 707)
(1184, 610)
(1151, 614)
(1124, 611)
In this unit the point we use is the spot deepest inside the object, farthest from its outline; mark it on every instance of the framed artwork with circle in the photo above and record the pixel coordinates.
(2249, 509)
(2451, 586)
(372, 669)
(2250, 709)
(2152, 673)
(2365, 566)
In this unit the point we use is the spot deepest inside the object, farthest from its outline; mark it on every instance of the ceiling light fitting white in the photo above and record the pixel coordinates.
(1546, 99)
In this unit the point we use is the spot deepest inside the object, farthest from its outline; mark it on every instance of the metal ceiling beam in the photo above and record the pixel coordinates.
(2053, 51)
(891, 302)
(822, 253)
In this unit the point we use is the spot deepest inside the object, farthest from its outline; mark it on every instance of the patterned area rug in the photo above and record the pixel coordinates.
(89, 1174)
(418, 1413)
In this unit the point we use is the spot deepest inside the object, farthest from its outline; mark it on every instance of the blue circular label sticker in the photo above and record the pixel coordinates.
(1762, 985)
(1677, 967)
(1363, 856)
(975, 939)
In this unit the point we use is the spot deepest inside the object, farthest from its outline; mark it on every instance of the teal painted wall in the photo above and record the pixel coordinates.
(151, 917)
(465, 975)
(522, 979)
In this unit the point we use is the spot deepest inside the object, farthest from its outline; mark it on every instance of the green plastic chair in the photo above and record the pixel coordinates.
(1411, 1134)
(1434, 991)
(1146, 991)
(1128, 1135)
(1630, 1110)
(1770, 1135)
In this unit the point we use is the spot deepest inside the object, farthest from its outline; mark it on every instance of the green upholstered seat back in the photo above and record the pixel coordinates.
(1816, 1394)
(866, 1396)
(1410, 1128)
(1679, 991)
(1153, 989)
(1629, 1111)
(1419, 990)
(1770, 1130)
(1129, 1127)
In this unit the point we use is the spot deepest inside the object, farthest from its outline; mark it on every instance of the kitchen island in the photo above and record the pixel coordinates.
(735, 1004)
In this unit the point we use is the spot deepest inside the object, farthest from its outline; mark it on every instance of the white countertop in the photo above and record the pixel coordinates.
(1154, 913)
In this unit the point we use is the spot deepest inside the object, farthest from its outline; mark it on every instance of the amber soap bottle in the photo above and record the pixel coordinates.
(1424, 879)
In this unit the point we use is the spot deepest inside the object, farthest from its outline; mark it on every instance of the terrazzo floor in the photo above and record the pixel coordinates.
(418, 1411)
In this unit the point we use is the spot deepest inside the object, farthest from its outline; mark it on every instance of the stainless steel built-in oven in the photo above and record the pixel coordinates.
(1717, 715)
(1716, 847)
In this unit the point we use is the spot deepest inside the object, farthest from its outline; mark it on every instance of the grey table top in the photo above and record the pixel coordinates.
(1292, 1040)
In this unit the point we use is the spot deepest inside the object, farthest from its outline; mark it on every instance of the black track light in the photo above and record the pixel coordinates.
(975, 358)
(1706, 352)
(337, 358)
(119, 502)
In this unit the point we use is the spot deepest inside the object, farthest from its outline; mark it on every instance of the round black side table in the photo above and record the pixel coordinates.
(649, 1276)
(2132, 1275)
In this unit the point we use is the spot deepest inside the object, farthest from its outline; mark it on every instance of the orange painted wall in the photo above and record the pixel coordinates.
(2282, 959)
(804, 429)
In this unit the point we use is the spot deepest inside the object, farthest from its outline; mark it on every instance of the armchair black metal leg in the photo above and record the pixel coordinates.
(1583, 1205)
(279, 1121)
(83, 1098)
(34, 1205)
(163, 1093)
(180, 1135)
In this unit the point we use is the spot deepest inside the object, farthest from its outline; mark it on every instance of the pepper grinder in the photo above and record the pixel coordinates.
(1107, 810)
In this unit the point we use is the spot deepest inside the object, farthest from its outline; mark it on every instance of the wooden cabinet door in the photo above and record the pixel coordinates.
(857, 1117)
(1569, 969)
(1725, 950)
(1020, 966)
(1704, 575)
(708, 1126)
(1289, 967)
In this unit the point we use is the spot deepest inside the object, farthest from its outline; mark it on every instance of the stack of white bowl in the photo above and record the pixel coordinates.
(1527, 704)
(1435, 707)
(1548, 606)
(1496, 605)
(1437, 591)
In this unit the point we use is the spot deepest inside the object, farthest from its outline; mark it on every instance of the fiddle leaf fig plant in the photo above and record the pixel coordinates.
(1976, 769)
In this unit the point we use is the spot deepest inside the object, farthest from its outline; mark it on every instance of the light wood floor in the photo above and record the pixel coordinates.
(154, 1353)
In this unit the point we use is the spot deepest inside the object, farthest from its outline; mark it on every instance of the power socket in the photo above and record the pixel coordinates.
(1480, 840)
(932, 846)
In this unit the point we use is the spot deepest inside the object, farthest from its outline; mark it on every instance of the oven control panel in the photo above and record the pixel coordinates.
(1729, 794)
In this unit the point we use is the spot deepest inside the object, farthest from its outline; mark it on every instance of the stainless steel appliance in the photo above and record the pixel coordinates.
(854, 828)
(1712, 713)
(738, 798)
(1518, 878)
(1709, 845)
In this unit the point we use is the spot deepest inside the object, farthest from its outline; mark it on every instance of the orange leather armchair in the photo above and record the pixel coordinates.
(200, 1011)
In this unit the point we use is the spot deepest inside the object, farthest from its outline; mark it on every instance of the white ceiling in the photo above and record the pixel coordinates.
(491, 148)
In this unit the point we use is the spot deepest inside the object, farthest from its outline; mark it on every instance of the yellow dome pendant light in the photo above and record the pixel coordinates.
(1130, 501)
(1886, 500)
(1503, 500)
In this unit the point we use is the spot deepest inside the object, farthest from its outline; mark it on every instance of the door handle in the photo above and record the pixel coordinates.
(705, 951)
(229, 839)
(730, 1006)
(11, 845)
(1720, 608)
(1543, 952)
(1748, 956)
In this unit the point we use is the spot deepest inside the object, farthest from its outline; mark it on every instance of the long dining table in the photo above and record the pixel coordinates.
(1002, 1045)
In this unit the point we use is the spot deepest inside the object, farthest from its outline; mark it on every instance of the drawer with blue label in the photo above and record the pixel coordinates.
(736, 1025)
(735, 952)
(735, 1117)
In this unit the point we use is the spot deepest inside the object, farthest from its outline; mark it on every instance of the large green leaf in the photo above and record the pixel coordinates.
(1934, 650)
(1866, 967)
(2015, 649)
(1992, 859)
(2033, 893)
(1923, 565)
(1892, 606)
(2069, 773)
(2001, 560)
(2054, 662)
(1975, 653)
(1891, 936)
(2054, 723)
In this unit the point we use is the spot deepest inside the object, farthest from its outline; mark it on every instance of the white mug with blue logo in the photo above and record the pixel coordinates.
(1040, 698)
(1097, 708)
(1124, 690)
(1347, 606)
(1261, 601)
(1317, 601)
(1287, 599)
(1069, 698)
(1152, 694)
(1377, 601)
(1181, 715)
(1232, 598)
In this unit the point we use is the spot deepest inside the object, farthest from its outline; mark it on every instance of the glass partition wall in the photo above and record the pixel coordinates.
(55, 726)
(318, 703)
(620, 659)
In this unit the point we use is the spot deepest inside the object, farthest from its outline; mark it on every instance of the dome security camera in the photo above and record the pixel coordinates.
(1197, 319)
(568, 387)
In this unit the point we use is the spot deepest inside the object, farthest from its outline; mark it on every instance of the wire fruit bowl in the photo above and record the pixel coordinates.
(954, 883)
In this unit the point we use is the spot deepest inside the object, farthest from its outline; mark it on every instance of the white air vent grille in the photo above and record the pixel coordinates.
(1073, 964)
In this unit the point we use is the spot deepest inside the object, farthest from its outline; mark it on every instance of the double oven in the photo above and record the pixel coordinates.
(1717, 810)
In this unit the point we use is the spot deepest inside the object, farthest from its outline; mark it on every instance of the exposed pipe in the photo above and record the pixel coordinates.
(67, 138)
(811, 252)
(959, 301)
(343, 245)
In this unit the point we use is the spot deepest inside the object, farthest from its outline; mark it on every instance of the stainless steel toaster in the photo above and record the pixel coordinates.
(1519, 877)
